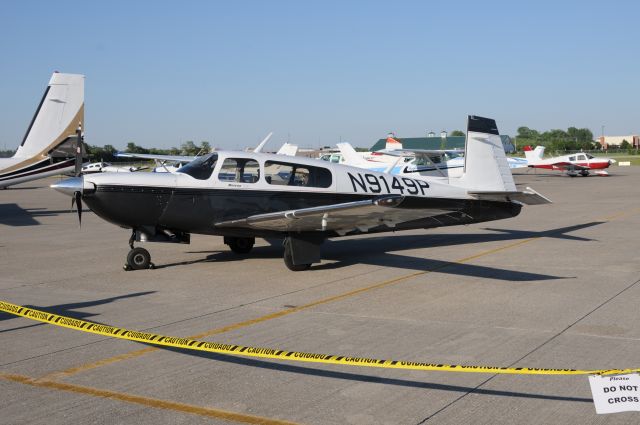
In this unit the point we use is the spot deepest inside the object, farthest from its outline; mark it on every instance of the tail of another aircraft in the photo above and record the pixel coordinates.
(351, 157)
(54, 124)
(393, 144)
(533, 155)
(288, 149)
(485, 163)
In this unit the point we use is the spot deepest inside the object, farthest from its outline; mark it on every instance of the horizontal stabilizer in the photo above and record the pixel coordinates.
(527, 196)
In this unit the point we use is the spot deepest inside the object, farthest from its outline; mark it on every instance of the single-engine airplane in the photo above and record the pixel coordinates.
(433, 163)
(244, 195)
(574, 164)
(48, 145)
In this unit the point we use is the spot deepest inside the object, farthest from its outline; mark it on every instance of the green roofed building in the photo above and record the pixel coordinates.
(433, 142)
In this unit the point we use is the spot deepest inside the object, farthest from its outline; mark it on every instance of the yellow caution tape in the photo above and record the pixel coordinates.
(270, 353)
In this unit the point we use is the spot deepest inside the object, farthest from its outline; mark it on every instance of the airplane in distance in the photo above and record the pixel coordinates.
(172, 163)
(574, 164)
(48, 146)
(301, 201)
(444, 163)
(107, 167)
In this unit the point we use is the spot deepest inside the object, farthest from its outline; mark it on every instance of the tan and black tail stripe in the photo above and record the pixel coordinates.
(270, 353)
(43, 166)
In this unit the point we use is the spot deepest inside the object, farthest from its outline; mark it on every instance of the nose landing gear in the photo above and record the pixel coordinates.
(137, 258)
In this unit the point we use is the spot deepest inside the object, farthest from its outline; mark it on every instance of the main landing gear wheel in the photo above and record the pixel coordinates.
(138, 259)
(288, 261)
(584, 173)
(240, 245)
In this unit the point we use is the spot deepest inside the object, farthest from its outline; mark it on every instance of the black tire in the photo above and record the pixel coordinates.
(584, 173)
(288, 261)
(241, 245)
(138, 259)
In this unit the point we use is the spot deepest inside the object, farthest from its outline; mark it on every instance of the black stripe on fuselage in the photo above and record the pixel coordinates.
(194, 210)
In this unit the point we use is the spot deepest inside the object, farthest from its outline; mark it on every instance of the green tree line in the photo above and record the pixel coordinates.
(108, 152)
(573, 139)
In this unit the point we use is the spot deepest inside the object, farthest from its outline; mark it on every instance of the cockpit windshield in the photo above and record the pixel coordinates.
(200, 168)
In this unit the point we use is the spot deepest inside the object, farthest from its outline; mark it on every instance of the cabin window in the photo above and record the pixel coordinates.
(239, 170)
(289, 174)
(581, 158)
(572, 158)
(201, 168)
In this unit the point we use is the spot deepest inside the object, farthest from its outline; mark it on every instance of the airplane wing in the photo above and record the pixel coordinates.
(342, 218)
(172, 158)
(564, 165)
(411, 152)
(527, 196)
(570, 166)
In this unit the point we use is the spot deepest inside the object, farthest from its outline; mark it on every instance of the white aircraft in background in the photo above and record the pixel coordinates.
(303, 201)
(107, 167)
(574, 164)
(48, 147)
(172, 163)
(395, 159)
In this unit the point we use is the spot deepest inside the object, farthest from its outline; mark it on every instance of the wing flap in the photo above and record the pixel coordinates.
(342, 218)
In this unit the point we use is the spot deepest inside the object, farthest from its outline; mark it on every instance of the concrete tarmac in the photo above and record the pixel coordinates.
(556, 287)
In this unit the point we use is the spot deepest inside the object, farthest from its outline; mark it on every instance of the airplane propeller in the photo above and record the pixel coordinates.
(77, 195)
(77, 199)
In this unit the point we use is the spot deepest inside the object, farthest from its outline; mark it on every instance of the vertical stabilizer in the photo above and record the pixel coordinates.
(535, 155)
(351, 157)
(485, 163)
(59, 114)
(393, 144)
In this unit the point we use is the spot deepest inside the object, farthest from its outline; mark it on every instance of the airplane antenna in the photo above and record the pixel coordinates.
(264, 142)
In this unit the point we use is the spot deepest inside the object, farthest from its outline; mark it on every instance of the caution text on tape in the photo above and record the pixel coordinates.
(271, 353)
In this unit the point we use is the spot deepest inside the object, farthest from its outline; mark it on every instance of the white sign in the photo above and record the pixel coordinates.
(615, 393)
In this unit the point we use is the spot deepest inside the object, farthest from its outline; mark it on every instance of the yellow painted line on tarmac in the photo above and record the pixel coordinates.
(621, 214)
(137, 353)
(146, 401)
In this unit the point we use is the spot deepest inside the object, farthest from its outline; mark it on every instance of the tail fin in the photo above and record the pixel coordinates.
(288, 149)
(59, 114)
(485, 163)
(534, 155)
(351, 157)
(393, 144)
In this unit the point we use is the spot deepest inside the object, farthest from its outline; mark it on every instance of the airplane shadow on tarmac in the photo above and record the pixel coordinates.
(358, 377)
(382, 251)
(69, 310)
(15, 215)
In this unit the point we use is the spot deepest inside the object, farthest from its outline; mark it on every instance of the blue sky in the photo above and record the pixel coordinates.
(160, 73)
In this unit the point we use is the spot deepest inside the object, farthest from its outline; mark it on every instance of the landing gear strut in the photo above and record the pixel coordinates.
(137, 258)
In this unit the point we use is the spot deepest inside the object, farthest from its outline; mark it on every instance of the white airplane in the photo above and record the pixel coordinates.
(417, 162)
(574, 164)
(299, 200)
(48, 147)
(173, 163)
(107, 167)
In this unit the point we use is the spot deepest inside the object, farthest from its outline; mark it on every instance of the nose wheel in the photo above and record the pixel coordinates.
(138, 259)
